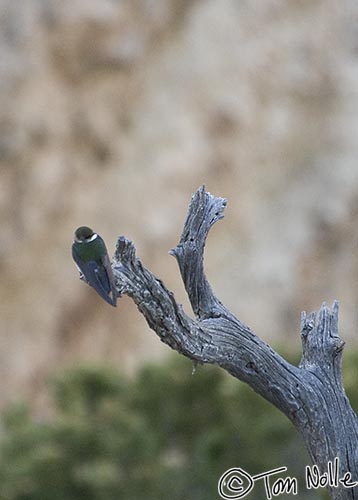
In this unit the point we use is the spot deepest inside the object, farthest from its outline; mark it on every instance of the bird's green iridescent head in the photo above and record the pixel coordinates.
(83, 234)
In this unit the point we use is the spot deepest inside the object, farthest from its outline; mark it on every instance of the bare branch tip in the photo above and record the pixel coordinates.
(303, 320)
(174, 252)
(125, 249)
(311, 320)
(324, 311)
(334, 318)
(335, 307)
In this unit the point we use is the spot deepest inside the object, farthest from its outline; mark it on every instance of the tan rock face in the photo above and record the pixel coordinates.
(112, 113)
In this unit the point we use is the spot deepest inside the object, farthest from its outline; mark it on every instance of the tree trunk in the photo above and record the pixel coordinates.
(311, 395)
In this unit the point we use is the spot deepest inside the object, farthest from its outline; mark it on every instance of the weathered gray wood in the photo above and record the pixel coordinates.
(311, 395)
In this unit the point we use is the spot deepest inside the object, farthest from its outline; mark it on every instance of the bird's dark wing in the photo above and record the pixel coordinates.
(109, 273)
(97, 277)
(100, 277)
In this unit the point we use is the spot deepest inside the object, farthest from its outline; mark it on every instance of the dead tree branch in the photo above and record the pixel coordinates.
(311, 395)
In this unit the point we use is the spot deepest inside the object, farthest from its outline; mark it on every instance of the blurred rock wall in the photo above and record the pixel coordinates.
(113, 112)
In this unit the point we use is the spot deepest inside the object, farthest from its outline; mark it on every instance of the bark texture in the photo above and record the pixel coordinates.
(311, 395)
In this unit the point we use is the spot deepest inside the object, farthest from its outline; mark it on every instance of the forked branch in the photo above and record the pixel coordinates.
(311, 395)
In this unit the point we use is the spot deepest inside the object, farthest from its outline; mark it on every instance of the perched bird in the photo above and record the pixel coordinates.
(90, 255)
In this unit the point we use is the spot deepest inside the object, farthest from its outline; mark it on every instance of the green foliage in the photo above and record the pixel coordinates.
(165, 434)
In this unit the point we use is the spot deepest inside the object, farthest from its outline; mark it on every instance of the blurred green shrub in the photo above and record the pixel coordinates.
(165, 434)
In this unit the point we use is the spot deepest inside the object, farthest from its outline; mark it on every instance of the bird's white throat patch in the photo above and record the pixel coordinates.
(88, 240)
